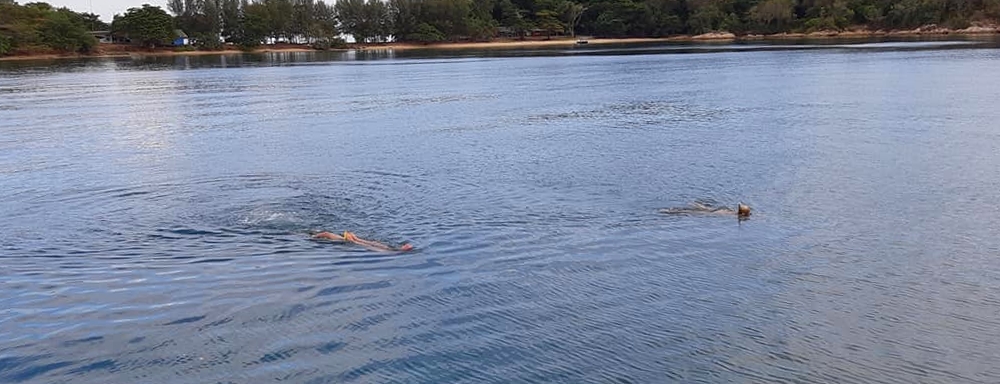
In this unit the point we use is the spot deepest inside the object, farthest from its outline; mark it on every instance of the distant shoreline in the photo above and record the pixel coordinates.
(123, 51)
(715, 36)
(708, 37)
(118, 52)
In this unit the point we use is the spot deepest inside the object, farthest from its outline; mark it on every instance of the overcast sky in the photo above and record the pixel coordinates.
(105, 8)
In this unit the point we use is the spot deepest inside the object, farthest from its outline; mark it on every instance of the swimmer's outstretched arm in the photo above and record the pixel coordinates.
(328, 236)
(374, 245)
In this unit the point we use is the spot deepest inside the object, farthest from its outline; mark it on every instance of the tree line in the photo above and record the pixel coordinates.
(39, 27)
(248, 23)
(372, 21)
(212, 23)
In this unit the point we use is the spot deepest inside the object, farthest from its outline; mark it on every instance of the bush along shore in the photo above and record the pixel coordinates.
(37, 30)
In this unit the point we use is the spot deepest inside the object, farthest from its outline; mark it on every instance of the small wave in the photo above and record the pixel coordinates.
(191, 232)
(647, 112)
(268, 217)
(185, 320)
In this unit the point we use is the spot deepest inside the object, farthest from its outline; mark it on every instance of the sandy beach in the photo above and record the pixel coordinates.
(111, 51)
(930, 31)
(517, 44)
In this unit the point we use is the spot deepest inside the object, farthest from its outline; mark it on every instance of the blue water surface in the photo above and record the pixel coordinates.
(156, 216)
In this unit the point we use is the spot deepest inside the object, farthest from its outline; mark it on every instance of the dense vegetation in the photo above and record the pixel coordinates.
(249, 22)
(147, 26)
(39, 26)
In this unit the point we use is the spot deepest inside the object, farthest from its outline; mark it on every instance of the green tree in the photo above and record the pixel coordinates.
(425, 33)
(279, 18)
(324, 24)
(303, 19)
(351, 14)
(180, 7)
(5, 45)
(571, 13)
(705, 18)
(867, 14)
(148, 26)
(770, 16)
(89, 21)
(480, 29)
(660, 18)
(712, 15)
(548, 21)
(40, 6)
(405, 15)
(253, 26)
(368, 21)
(915, 13)
(380, 18)
(64, 32)
(20, 26)
(828, 15)
(36, 27)
(40, 27)
(990, 11)
(202, 19)
(512, 17)
(629, 18)
(211, 14)
(611, 20)
(230, 16)
(451, 17)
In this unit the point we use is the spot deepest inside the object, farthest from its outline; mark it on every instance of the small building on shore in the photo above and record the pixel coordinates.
(181, 38)
(105, 37)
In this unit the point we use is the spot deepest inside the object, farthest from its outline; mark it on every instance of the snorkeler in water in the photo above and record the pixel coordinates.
(742, 211)
(349, 237)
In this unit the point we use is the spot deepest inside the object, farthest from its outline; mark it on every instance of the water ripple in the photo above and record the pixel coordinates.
(158, 229)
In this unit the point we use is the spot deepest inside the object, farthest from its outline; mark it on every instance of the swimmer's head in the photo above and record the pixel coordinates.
(742, 210)
(406, 248)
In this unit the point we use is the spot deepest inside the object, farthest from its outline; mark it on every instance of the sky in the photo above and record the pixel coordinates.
(105, 8)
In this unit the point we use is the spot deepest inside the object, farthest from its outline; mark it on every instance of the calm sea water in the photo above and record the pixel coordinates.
(155, 216)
